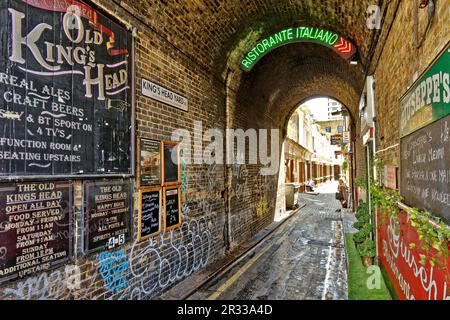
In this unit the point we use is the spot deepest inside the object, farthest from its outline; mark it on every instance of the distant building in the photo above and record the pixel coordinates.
(308, 151)
(334, 109)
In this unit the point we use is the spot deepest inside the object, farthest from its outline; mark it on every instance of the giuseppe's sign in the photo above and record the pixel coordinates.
(65, 90)
(428, 99)
(411, 280)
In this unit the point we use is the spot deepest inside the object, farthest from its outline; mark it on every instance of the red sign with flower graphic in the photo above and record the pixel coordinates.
(411, 280)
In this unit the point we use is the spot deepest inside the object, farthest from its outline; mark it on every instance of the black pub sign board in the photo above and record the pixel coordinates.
(36, 227)
(65, 90)
(107, 214)
(425, 167)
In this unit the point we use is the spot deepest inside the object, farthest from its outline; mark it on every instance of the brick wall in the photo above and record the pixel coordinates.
(399, 64)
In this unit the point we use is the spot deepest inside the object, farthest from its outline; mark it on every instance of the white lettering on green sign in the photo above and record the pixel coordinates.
(300, 34)
(429, 98)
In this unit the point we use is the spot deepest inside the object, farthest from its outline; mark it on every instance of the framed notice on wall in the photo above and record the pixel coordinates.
(149, 221)
(149, 153)
(107, 214)
(171, 163)
(36, 227)
(172, 208)
(66, 93)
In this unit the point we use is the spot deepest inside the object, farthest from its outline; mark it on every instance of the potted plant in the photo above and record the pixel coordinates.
(367, 252)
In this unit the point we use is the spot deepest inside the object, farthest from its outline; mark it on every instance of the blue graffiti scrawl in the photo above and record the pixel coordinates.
(113, 270)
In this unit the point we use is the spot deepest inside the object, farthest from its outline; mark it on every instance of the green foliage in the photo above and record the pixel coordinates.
(361, 183)
(345, 166)
(367, 248)
(358, 276)
(363, 234)
(433, 233)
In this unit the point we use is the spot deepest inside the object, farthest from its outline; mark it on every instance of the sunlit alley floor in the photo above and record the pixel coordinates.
(304, 259)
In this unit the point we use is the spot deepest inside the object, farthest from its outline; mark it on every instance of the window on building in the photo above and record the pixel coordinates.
(340, 129)
(328, 129)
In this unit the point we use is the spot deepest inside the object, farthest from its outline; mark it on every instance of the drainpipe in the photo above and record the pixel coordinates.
(228, 170)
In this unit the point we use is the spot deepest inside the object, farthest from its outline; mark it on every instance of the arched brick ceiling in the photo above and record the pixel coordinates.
(292, 74)
(210, 30)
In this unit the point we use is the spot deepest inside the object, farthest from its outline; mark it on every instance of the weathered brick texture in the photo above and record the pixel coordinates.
(193, 48)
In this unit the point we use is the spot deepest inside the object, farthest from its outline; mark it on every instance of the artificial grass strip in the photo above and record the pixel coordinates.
(357, 276)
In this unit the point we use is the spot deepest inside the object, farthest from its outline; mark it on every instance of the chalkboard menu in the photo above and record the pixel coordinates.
(36, 227)
(172, 208)
(149, 213)
(171, 174)
(150, 162)
(107, 214)
(65, 93)
(425, 168)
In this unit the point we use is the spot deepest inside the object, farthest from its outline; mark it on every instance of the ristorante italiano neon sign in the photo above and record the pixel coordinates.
(327, 38)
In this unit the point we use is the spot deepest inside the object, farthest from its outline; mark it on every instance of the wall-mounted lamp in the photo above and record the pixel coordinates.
(423, 4)
(134, 32)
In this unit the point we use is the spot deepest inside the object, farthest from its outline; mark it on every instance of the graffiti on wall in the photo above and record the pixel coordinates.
(113, 270)
(47, 285)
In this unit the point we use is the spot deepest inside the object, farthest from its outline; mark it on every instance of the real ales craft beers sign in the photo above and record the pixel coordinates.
(65, 90)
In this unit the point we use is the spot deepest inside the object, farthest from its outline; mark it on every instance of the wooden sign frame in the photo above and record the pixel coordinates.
(138, 160)
(163, 180)
(165, 189)
(141, 191)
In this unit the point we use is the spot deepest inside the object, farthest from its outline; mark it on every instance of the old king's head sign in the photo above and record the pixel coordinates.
(65, 90)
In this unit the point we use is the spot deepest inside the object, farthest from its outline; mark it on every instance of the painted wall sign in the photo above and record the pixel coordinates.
(389, 178)
(172, 208)
(411, 280)
(171, 168)
(65, 90)
(428, 99)
(36, 227)
(340, 45)
(336, 140)
(161, 94)
(107, 214)
(149, 222)
(425, 168)
(346, 137)
(150, 162)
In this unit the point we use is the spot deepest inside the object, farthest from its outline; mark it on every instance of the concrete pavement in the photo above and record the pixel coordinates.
(304, 259)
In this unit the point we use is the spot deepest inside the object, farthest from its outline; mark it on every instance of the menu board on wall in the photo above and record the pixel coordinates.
(107, 214)
(65, 91)
(171, 163)
(425, 168)
(172, 208)
(149, 222)
(36, 227)
(150, 162)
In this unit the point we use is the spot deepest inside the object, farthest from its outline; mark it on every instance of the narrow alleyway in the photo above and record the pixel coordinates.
(304, 259)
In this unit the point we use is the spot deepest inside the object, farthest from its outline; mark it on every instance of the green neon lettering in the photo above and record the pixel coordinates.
(251, 56)
(290, 34)
(327, 37)
(306, 33)
(279, 37)
(302, 31)
(320, 35)
(273, 43)
(333, 39)
(246, 63)
(266, 44)
(260, 48)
